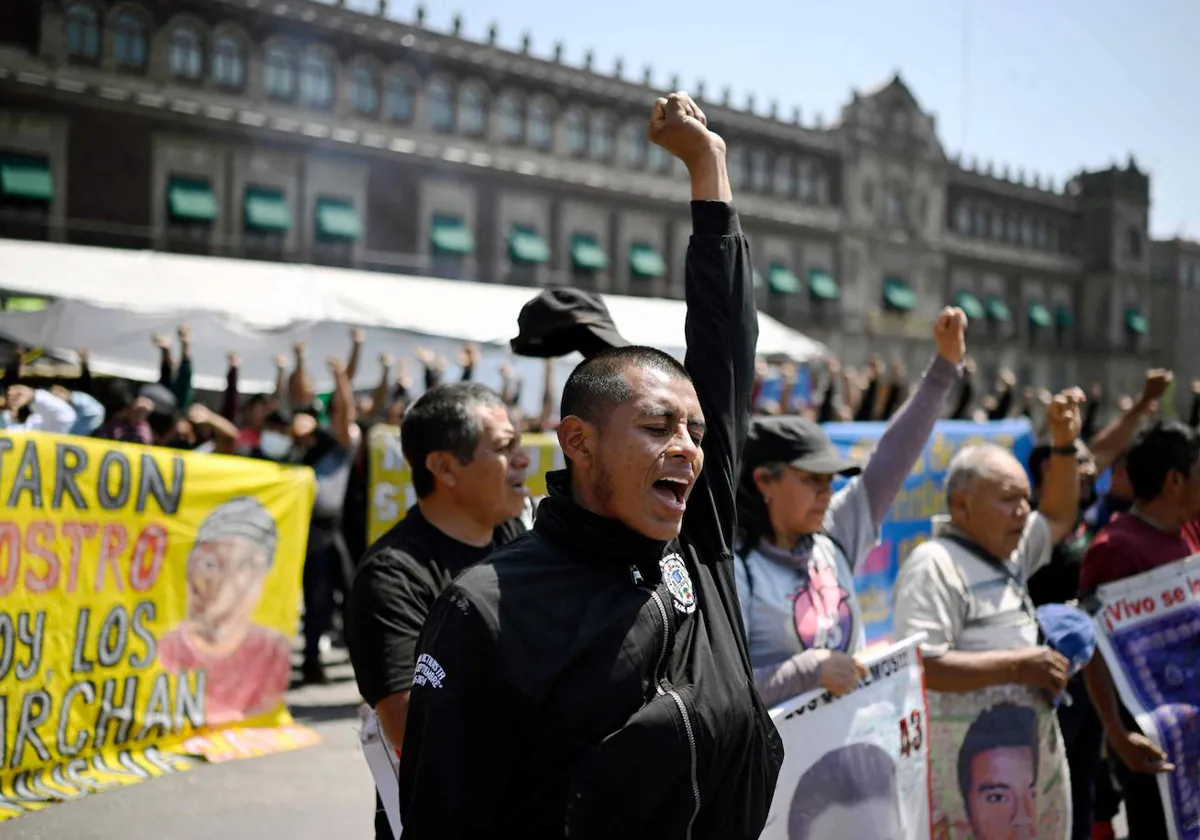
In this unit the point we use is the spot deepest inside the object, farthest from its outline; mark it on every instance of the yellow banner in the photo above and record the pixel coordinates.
(390, 480)
(150, 599)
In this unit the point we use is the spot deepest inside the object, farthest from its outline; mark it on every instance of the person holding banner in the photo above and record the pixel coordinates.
(799, 545)
(967, 589)
(591, 680)
(1164, 471)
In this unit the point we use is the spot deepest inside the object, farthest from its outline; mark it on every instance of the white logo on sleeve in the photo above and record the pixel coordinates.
(428, 672)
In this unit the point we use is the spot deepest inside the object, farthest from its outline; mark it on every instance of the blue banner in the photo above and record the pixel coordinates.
(772, 389)
(908, 521)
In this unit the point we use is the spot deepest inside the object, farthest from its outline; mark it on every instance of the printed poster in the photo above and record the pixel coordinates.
(857, 766)
(390, 489)
(1148, 631)
(908, 521)
(999, 767)
(150, 597)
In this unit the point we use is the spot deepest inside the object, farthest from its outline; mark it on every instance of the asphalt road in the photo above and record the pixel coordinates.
(316, 793)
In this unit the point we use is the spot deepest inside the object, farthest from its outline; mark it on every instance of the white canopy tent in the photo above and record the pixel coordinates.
(270, 295)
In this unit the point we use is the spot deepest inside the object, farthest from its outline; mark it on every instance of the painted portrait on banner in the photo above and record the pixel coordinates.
(999, 769)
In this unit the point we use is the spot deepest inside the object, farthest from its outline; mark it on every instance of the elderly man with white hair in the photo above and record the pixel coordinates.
(967, 587)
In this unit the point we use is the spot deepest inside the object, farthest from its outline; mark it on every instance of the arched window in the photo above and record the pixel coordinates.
(280, 73)
(470, 110)
(601, 139)
(575, 129)
(512, 127)
(633, 139)
(398, 97)
(541, 119)
(363, 92)
(83, 32)
(187, 62)
(229, 63)
(441, 105)
(316, 81)
(129, 40)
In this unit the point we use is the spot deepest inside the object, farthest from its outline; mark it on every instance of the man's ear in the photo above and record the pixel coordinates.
(440, 465)
(577, 437)
(762, 477)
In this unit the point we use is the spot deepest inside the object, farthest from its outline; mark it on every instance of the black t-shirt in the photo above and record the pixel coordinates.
(399, 578)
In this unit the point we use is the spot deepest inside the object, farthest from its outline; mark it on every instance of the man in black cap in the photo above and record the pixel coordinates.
(563, 320)
(591, 680)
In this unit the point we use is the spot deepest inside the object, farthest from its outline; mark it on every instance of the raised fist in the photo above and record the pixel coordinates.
(950, 334)
(678, 125)
(1065, 418)
(1157, 380)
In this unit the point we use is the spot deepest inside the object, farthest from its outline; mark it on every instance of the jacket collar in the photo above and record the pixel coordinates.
(561, 521)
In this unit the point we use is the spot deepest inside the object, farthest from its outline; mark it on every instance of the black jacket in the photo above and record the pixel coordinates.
(560, 694)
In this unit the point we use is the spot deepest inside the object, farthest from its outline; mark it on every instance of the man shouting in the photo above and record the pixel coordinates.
(591, 680)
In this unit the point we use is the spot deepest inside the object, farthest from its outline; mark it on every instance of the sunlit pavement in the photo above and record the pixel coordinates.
(320, 792)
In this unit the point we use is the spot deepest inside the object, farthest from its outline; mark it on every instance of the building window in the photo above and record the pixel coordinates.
(280, 74)
(470, 110)
(634, 141)
(83, 32)
(441, 105)
(576, 132)
(129, 40)
(1012, 230)
(601, 136)
(1027, 232)
(820, 186)
(980, 227)
(1041, 237)
(1053, 239)
(1133, 242)
(894, 208)
(759, 176)
(316, 82)
(541, 125)
(187, 61)
(363, 91)
(398, 97)
(998, 226)
(737, 168)
(962, 217)
(783, 176)
(512, 126)
(228, 63)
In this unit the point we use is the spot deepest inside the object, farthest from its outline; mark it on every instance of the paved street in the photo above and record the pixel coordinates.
(316, 793)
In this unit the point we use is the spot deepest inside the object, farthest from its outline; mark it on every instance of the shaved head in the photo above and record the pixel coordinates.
(601, 383)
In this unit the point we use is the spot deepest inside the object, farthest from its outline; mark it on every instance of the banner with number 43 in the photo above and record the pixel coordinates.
(857, 765)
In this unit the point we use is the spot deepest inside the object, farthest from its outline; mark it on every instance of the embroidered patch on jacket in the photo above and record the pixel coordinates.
(679, 583)
(428, 672)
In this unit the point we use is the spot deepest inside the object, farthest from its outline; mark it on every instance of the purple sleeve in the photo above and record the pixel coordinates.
(905, 437)
(788, 679)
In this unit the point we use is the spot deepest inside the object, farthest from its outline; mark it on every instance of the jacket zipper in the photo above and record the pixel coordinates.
(663, 690)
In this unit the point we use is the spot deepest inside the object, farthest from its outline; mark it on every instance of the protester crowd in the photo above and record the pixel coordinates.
(1006, 546)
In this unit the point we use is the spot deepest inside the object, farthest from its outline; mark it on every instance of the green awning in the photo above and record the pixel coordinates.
(781, 280)
(191, 200)
(1039, 315)
(337, 220)
(267, 210)
(1135, 321)
(645, 262)
(25, 177)
(25, 304)
(970, 305)
(450, 235)
(527, 247)
(586, 253)
(898, 295)
(997, 310)
(1064, 317)
(822, 286)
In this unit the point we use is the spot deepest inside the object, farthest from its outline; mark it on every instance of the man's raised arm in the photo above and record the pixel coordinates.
(722, 323)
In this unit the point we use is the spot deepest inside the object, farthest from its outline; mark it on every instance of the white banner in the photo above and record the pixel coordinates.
(857, 766)
(1148, 631)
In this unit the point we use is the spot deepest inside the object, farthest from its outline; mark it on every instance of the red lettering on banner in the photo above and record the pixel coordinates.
(31, 557)
(912, 734)
(10, 548)
(148, 553)
(39, 543)
(112, 545)
(76, 532)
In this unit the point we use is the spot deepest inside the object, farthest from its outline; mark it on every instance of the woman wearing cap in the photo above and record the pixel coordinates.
(799, 544)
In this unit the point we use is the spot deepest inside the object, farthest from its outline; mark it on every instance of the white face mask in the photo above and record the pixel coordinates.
(274, 445)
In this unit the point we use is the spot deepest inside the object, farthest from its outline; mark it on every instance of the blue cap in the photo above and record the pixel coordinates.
(1069, 631)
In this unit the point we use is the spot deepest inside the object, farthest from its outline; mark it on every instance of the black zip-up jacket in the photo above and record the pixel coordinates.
(563, 688)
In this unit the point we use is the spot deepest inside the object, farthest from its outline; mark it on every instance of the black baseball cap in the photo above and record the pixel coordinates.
(564, 320)
(796, 441)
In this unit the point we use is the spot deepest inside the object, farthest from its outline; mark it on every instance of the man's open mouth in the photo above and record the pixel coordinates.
(672, 492)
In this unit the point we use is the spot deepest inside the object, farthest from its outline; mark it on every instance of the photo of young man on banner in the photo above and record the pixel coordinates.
(856, 765)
